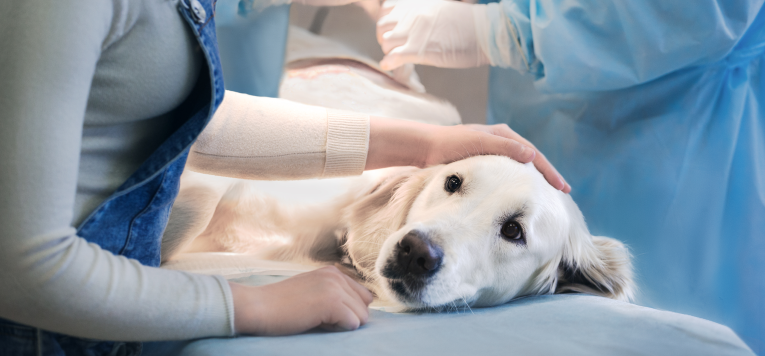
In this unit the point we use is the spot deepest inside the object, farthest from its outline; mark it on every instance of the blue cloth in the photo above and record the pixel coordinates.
(252, 47)
(654, 111)
(132, 220)
(568, 324)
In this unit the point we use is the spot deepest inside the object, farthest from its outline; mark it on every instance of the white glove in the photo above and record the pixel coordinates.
(432, 32)
(407, 76)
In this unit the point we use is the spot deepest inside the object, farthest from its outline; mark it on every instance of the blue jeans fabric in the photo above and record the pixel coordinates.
(131, 221)
(16, 339)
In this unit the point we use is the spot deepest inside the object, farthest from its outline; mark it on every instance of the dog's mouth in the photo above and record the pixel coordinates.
(408, 290)
(411, 293)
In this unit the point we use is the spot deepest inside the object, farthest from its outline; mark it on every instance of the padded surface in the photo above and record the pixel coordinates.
(570, 324)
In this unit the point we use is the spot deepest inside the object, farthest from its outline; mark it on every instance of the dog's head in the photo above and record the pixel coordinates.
(478, 232)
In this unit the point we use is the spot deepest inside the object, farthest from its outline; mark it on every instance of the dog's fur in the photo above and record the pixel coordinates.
(363, 231)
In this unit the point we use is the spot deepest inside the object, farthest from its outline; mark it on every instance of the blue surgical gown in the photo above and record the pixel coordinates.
(654, 112)
(252, 46)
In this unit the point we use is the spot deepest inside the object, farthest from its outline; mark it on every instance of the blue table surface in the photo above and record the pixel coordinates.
(570, 324)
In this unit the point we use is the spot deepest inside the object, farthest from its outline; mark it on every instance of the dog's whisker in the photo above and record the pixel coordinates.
(477, 152)
(368, 242)
(466, 150)
(467, 305)
(460, 154)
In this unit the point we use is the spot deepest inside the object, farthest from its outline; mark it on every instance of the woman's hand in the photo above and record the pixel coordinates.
(408, 143)
(324, 298)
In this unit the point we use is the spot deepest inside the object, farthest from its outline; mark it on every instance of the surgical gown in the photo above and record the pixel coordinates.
(654, 112)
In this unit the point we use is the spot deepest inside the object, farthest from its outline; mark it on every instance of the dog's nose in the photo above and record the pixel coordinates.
(418, 256)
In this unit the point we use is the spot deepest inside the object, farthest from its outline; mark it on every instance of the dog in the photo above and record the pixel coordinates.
(473, 233)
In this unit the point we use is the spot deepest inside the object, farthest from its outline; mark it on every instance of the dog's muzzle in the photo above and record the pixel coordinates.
(414, 260)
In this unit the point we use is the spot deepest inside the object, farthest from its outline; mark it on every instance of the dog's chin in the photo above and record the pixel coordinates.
(408, 292)
(414, 295)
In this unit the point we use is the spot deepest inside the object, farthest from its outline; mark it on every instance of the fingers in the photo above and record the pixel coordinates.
(353, 300)
(406, 75)
(324, 297)
(350, 311)
(364, 293)
(540, 161)
(497, 145)
(385, 25)
(351, 287)
(551, 174)
(394, 59)
(341, 319)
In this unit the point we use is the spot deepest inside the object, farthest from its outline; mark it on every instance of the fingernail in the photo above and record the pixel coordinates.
(527, 153)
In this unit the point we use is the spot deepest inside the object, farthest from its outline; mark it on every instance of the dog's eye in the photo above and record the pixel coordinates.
(511, 231)
(452, 183)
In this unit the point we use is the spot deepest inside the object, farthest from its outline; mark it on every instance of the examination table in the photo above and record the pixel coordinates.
(564, 324)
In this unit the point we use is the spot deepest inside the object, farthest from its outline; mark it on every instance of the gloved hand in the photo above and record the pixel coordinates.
(433, 32)
(407, 76)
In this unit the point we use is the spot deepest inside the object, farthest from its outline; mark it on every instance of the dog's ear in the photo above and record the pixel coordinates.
(594, 264)
(388, 201)
(604, 269)
(379, 211)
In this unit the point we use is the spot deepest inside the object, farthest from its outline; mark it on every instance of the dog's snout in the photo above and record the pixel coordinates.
(418, 256)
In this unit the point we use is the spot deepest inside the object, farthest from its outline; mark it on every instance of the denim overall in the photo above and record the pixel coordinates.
(132, 220)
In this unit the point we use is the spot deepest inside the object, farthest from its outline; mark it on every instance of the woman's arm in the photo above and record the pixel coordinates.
(264, 138)
(51, 278)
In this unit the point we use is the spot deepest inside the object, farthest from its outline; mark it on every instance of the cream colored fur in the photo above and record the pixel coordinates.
(362, 229)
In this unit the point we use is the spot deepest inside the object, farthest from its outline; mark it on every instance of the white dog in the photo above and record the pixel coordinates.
(477, 232)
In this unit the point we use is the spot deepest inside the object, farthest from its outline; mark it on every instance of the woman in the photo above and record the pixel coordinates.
(100, 103)
(654, 111)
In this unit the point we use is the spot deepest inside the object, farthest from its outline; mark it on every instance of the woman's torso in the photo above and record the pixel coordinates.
(149, 63)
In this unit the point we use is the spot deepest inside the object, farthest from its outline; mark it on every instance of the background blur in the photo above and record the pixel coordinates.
(351, 26)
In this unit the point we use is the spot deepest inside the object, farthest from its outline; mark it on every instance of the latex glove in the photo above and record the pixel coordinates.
(406, 75)
(324, 298)
(432, 32)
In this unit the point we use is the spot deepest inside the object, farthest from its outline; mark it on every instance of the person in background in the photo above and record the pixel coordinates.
(653, 110)
(100, 104)
(252, 40)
